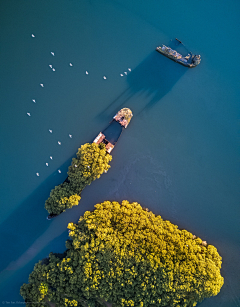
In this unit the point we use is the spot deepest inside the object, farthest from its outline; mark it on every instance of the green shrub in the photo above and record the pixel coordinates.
(91, 161)
(129, 257)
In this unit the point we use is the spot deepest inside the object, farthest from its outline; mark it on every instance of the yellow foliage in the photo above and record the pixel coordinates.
(129, 256)
(43, 289)
(70, 302)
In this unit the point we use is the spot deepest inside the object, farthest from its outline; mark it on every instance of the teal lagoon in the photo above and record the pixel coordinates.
(180, 154)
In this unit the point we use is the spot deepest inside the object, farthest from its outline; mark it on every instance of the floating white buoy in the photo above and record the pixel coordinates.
(53, 69)
(41, 85)
(46, 164)
(70, 64)
(129, 69)
(50, 66)
(33, 100)
(86, 72)
(28, 114)
(104, 77)
(121, 75)
(52, 53)
(37, 174)
(59, 171)
(50, 130)
(70, 135)
(51, 157)
(125, 72)
(33, 35)
(59, 143)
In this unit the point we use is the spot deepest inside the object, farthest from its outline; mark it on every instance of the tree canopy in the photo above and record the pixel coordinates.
(92, 160)
(128, 256)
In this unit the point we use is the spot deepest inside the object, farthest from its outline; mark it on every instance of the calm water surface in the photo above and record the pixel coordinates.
(180, 154)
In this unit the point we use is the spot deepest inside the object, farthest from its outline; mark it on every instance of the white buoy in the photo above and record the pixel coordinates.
(46, 164)
(121, 75)
(37, 174)
(59, 171)
(50, 130)
(70, 64)
(70, 136)
(50, 66)
(41, 84)
(125, 72)
(59, 143)
(86, 72)
(28, 114)
(33, 35)
(33, 100)
(53, 69)
(129, 69)
(51, 157)
(52, 53)
(104, 77)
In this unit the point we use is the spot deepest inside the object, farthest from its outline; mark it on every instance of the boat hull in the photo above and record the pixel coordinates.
(176, 60)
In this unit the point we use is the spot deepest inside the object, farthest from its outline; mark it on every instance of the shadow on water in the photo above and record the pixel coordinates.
(113, 132)
(29, 218)
(153, 78)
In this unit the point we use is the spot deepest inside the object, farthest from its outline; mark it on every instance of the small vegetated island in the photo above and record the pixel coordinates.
(91, 162)
(127, 256)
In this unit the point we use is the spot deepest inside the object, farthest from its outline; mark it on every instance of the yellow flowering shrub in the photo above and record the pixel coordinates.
(126, 255)
(91, 162)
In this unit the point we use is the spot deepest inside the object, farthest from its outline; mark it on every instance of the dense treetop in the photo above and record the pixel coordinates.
(128, 256)
(92, 160)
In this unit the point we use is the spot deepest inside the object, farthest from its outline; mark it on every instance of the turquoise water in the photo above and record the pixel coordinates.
(180, 154)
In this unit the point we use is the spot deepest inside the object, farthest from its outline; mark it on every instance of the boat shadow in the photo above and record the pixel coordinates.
(153, 78)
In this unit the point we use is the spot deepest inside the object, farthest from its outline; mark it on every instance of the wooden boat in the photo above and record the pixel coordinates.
(189, 61)
(120, 120)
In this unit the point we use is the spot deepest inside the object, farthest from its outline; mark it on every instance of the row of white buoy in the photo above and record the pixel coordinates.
(125, 72)
(42, 85)
(70, 135)
(70, 64)
(53, 69)
(33, 100)
(59, 143)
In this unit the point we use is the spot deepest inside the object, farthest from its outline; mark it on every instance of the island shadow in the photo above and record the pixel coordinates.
(28, 221)
(154, 77)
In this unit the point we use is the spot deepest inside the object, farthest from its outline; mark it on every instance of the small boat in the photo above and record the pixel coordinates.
(190, 60)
